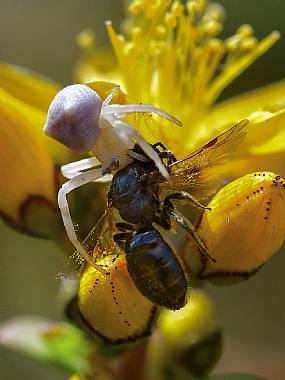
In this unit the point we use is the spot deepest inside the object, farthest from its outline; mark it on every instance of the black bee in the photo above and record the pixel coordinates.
(135, 193)
(142, 205)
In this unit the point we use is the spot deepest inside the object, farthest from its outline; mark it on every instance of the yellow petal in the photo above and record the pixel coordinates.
(241, 106)
(248, 164)
(265, 109)
(245, 227)
(264, 145)
(27, 86)
(27, 171)
(104, 88)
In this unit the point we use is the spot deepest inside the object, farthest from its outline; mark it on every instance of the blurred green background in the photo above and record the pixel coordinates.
(40, 35)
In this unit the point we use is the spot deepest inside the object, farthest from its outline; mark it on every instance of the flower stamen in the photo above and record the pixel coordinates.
(174, 51)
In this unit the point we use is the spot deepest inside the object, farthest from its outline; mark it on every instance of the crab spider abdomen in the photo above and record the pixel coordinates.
(73, 118)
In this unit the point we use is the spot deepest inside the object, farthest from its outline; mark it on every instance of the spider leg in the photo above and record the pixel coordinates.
(165, 153)
(75, 168)
(110, 97)
(138, 156)
(72, 169)
(66, 188)
(125, 130)
(121, 110)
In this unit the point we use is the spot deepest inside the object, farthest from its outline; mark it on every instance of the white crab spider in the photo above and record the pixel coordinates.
(79, 119)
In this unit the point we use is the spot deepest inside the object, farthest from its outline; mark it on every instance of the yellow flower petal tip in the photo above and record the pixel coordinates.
(27, 86)
(111, 305)
(245, 227)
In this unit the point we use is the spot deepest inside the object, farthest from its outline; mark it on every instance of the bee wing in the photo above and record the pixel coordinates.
(199, 172)
(100, 234)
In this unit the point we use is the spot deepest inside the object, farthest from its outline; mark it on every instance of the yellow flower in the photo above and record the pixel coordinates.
(173, 59)
(174, 51)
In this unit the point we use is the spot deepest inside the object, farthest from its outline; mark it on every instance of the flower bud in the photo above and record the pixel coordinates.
(245, 227)
(28, 174)
(110, 304)
(189, 340)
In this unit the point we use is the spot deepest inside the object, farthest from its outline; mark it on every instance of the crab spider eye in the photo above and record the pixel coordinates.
(73, 118)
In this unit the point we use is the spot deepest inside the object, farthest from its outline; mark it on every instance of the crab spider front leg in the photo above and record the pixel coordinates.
(127, 132)
(66, 188)
(73, 169)
(121, 110)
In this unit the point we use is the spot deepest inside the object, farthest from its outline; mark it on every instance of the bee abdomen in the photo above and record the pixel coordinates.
(156, 270)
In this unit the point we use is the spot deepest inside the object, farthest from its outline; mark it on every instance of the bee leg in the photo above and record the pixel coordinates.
(125, 227)
(120, 239)
(165, 153)
(190, 229)
(66, 188)
(186, 197)
(168, 211)
(179, 196)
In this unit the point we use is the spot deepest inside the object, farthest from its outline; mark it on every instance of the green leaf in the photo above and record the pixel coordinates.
(56, 343)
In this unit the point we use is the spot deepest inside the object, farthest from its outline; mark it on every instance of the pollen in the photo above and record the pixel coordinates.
(181, 63)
